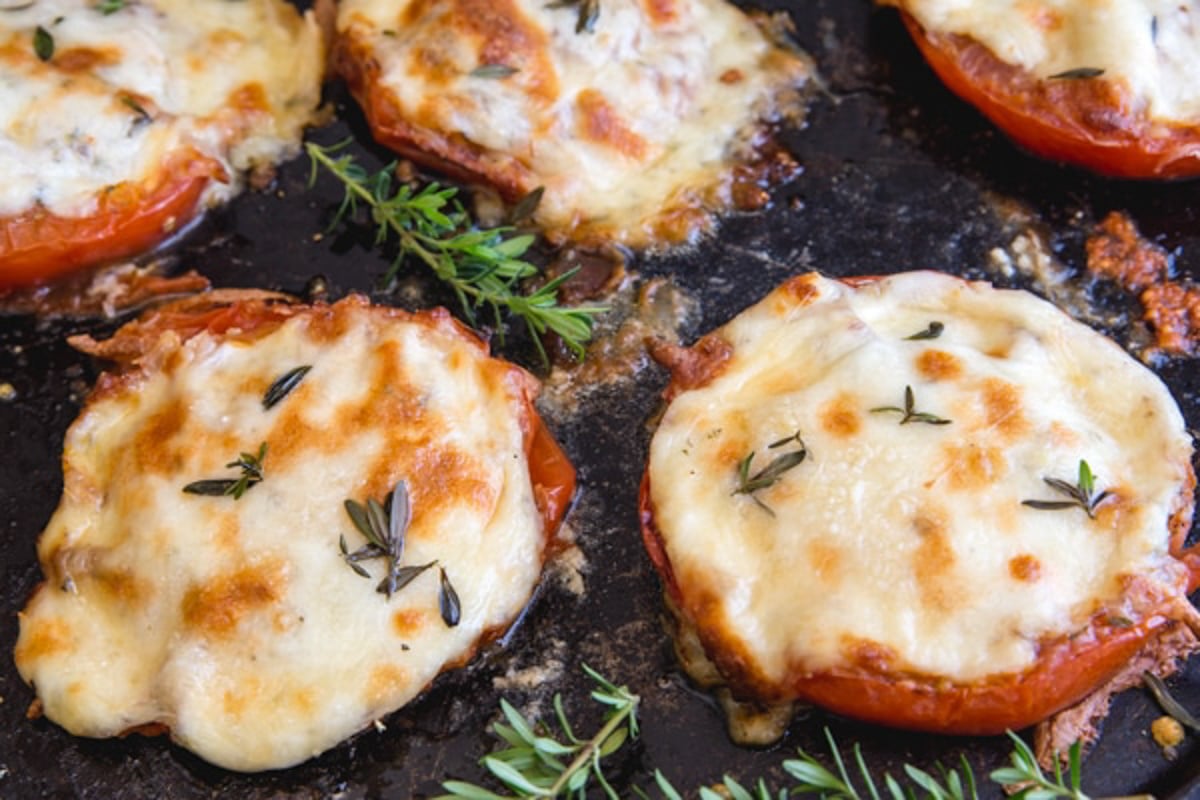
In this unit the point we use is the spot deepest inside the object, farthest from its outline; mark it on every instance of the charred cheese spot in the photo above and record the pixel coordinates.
(1003, 408)
(1025, 568)
(385, 682)
(52, 638)
(938, 365)
(971, 467)
(409, 621)
(825, 561)
(840, 417)
(85, 59)
(216, 607)
(601, 123)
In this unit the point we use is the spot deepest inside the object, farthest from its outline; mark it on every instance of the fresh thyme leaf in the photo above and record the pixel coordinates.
(448, 602)
(107, 7)
(1170, 704)
(252, 474)
(1079, 73)
(933, 331)
(43, 44)
(385, 531)
(284, 385)
(483, 267)
(534, 760)
(213, 488)
(589, 13)
(494, 71)
(526, 205)
(772, 473)
(143, 116)
(1032, 782)
(1082, 494)
(400, 577)
(909, 412)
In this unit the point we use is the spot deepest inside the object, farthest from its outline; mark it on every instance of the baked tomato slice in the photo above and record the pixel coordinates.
(129, 218)
(1088, 121)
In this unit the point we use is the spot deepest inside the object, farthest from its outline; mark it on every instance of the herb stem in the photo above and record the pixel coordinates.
(481, 266)
(584, 758)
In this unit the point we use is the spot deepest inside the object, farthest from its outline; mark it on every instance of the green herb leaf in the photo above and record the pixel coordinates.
(385, 530)
(43, 44)
(772, 473)
(909, 413)
(493, 71)
(933, 331)
(1082, 494)
(252, 474)
(1079, 73)
(448, 603)
(107, 7)
(589, 13)
(482, 266)
(284, 385)
(1170, 704)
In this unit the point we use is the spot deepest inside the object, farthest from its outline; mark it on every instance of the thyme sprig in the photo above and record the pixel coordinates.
(251, 465)
(770, 474)
(1083, 493)
(385, 531)
(909, 413)
(482, 266)
(538, 761)
(1032, 782)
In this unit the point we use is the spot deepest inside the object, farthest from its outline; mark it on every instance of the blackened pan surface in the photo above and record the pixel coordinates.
(898, 174)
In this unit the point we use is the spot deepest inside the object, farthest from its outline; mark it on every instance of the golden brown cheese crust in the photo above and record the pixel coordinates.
(895, 574)
(235, 622)
(635, 129)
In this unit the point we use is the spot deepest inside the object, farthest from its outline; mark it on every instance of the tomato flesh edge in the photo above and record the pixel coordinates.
(1060, 122)
(37, 245)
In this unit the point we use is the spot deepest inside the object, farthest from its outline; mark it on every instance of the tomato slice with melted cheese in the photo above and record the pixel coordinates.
(637, 122)
(1107, 86)
(118, 127)
(239, 623)
(921, 565)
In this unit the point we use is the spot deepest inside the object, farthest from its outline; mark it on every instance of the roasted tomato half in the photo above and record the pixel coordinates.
(1084, 120)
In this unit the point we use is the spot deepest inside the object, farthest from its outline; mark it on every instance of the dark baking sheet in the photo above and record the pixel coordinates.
(898, 174)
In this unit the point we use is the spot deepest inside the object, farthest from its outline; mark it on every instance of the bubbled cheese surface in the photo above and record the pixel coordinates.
(236, 623)
(623, 125)
(1151, 46)
(123, 91)
(907, 546)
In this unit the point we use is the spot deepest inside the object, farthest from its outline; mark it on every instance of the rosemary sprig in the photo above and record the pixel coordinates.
(481, 266)
(284, 384)
(1082, 494)
(1032, 782)
(770, 474)
(385, 531)
(589, 13)
(251, 465)
(534, 763)
(931, 331)
(909, 412)
(541, 762)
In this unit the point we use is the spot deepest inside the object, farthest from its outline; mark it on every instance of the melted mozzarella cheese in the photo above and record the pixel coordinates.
(236, 82)
(235, 622)
(909, 543)
(1152, 46)
(641, 119)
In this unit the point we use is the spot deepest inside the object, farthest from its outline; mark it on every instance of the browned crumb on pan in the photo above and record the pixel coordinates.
(1118, 252)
